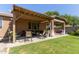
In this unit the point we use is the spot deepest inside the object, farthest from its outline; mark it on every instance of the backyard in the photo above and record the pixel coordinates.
(62, 45)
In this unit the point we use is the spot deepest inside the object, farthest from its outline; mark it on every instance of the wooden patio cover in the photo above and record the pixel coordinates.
(32, 13)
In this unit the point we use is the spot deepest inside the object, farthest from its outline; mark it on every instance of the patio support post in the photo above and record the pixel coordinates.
(64, 28)
(52, 28)
(14, 29)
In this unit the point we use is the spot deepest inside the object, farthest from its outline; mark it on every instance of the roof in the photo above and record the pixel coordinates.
(6, 14)
(30, 12)
(60, 18)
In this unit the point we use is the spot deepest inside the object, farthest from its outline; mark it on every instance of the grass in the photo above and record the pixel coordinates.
(62, 45)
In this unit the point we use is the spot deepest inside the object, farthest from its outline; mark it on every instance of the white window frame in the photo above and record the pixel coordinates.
(1, 23)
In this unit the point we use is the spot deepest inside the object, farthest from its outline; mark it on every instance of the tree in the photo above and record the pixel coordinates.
(72, 20)
(51, 13)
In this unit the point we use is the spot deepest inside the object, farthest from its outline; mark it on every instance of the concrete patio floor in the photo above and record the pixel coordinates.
(4, 47)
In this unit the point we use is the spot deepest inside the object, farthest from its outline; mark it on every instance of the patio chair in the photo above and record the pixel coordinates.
(28, 35)
(23, 33)
(43, 34)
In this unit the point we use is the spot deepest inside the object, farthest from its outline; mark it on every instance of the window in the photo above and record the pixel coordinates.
(1, 22)
(33, 26)
(29, 25)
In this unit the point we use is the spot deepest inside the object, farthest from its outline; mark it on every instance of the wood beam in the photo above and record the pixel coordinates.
(19, 17)
(44, 21)
(59, 21)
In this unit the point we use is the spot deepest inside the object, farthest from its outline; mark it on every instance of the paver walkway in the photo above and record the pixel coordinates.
(4, 47)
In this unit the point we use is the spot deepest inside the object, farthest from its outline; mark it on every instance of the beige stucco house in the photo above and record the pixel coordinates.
(21, 20)
(5, 20)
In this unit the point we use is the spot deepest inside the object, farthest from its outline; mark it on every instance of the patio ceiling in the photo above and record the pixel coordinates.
(30, 18)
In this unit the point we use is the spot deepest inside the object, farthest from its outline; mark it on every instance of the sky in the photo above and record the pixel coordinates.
(72, 9)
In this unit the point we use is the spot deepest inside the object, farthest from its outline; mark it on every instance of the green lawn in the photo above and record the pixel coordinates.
(63, 45)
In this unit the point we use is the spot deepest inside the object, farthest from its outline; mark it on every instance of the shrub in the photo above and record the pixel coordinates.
(71, 33)
(75, 32)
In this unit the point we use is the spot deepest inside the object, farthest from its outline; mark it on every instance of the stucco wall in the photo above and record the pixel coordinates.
(5, 25)
(22, 24)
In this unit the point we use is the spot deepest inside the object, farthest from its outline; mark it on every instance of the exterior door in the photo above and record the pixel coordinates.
(34, 27)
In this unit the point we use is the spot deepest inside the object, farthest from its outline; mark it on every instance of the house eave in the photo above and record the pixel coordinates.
(3, 14)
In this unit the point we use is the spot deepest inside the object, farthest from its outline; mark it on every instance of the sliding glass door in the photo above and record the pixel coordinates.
(34, 27)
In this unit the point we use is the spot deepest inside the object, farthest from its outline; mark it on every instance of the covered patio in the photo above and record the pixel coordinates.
(31, 24)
